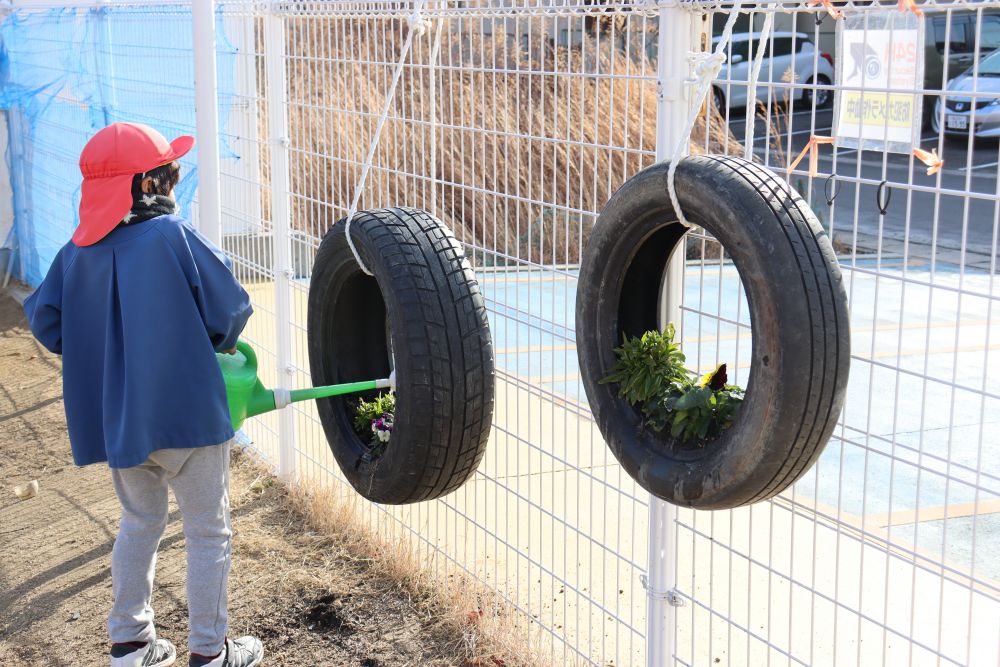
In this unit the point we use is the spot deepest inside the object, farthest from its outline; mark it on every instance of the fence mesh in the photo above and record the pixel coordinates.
(513, 123)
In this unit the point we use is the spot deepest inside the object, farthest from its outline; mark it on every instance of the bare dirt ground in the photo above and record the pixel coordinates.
(313, 597)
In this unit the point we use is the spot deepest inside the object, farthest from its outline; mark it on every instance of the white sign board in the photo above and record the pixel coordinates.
(880, 63)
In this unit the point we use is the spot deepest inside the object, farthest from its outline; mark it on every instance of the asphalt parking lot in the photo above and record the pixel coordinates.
(939, 215)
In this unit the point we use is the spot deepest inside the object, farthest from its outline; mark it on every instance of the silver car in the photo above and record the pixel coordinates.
(790, 57)
(966, 113)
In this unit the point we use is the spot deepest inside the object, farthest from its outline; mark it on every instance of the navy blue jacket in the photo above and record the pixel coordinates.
(137, 318)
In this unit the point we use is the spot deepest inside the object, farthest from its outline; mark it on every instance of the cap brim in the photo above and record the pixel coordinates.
(179, 147)
(103, 204)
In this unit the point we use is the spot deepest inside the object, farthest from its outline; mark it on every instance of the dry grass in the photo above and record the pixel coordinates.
(528, 144)
(776, 124)
(470, 624)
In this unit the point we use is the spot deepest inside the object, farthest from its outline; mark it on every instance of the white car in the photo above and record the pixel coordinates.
(790, 56)
(964, 111)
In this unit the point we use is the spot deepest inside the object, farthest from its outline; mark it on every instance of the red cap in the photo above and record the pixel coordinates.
(108, 162)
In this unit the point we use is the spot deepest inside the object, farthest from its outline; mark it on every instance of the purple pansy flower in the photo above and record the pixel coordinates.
(382, 427)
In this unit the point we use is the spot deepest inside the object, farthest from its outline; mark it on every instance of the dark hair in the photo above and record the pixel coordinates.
(164, 178)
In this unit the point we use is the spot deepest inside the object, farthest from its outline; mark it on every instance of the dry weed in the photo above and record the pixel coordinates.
(517, 149)
(474, 624)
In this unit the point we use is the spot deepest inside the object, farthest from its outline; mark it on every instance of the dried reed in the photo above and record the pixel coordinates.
(517, 149)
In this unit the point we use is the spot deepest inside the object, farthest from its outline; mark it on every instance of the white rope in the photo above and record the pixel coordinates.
(706, 69)
(648, 8)
(418, 25)
(765, 36)
(435, 55)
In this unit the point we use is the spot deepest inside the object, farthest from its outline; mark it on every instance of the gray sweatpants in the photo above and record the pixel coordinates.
(199, 478)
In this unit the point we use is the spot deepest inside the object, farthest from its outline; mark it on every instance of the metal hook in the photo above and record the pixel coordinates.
(883, 206)
(830, 196)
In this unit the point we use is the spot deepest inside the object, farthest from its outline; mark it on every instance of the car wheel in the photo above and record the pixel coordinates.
(719, 98)
(823, 96)
(958, 140)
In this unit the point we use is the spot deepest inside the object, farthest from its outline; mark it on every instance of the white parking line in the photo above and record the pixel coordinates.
(979, 166)
(762, 136)
(808, 112)
(894, 166)
(797, 114)
(809, 131)
(871, 164)
(850, 165)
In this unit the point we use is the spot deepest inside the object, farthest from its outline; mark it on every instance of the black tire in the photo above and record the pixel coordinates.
(424, 305)
(719, 100)
(927, 118)
(798, 311)
(824, 98)
(959, 140)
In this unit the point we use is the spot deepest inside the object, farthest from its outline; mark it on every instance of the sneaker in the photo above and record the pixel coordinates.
(160, 653)
(242, 652)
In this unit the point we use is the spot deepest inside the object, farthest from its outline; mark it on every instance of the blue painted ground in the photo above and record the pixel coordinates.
(923, 401)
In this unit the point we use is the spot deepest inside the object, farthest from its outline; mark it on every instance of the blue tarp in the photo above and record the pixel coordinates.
(66, 73)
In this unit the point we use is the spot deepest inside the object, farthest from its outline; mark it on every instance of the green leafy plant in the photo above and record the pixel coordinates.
(648, 367)
(650, 373)
(373, 420)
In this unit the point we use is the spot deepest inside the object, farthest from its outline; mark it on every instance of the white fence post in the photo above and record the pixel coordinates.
(277, 120)
(206, 119)
(674, 42)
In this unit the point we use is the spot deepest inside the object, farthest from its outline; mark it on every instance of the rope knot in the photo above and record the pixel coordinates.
(708, 65)
(418, 23)
(931, 159)
(812, 150)
(830, 9)
(649, 8)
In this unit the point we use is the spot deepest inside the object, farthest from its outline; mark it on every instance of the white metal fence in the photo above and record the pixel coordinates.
(514, 122)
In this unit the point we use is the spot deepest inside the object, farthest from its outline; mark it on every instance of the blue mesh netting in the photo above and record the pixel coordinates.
(65, 74)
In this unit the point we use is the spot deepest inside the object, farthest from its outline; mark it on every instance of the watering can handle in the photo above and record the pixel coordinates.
(247, 352)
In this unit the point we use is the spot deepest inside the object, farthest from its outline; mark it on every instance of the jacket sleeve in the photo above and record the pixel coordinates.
(44, 308)
(222, 301)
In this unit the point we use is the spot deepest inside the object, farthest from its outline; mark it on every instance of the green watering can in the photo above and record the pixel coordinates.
(248, 397)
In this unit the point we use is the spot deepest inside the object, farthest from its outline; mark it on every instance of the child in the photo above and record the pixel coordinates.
(138, 304)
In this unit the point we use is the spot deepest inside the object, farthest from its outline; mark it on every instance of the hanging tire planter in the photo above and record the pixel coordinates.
(798, 311)
(422, 313)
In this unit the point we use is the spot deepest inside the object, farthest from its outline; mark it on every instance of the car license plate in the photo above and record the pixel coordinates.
(958, 123)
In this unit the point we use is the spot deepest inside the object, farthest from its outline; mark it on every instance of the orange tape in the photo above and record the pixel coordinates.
(812, 148)
(931, 159)
(911, 6)
(830, 9)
